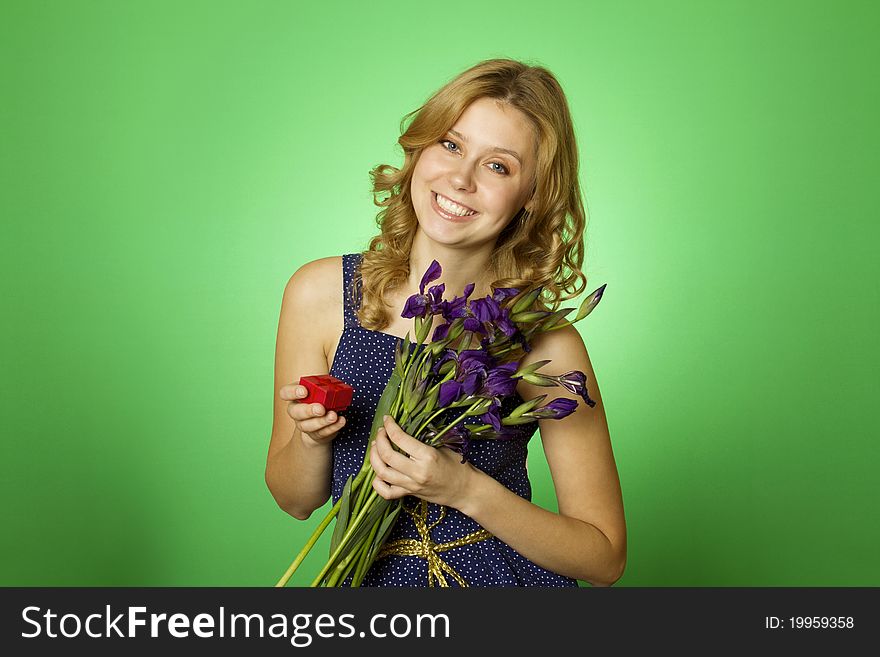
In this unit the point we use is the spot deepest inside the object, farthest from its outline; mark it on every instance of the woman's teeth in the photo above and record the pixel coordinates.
(452, 208)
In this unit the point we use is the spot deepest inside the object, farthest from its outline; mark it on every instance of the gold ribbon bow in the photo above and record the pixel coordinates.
(429, 550)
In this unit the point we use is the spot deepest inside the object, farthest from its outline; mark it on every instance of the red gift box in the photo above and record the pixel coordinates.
(332, 393)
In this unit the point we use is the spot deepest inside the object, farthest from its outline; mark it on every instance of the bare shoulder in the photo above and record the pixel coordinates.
(313, 298)
(566, 350)
(317, 281)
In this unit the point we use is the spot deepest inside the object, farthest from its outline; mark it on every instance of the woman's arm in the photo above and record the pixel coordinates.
(586, 540)
(298, 468)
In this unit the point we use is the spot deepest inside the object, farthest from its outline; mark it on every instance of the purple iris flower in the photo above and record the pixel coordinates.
(441, 332)
(493, 416)
(472, 370)
(473, 325)
(431, 275)
(503, 293)
(458, 440)
(505, 324)
(486, 309)
(576, 382)
(421, 304)
(450, 391)
(498, 381)
(458, 306)
(556, 409)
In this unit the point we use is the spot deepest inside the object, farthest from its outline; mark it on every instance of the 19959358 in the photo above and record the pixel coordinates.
(809, 622)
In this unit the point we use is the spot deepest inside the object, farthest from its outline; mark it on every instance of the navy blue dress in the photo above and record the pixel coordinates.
(459, 551)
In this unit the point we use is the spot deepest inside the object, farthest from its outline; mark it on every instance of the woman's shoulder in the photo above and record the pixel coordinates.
(320, 273)
(317, 283)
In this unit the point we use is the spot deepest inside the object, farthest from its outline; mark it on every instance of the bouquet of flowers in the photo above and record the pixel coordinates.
(434, 388)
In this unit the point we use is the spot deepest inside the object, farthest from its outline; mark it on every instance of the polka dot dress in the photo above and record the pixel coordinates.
(365, 360)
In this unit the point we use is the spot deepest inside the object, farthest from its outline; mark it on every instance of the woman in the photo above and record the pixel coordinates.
(489, 189)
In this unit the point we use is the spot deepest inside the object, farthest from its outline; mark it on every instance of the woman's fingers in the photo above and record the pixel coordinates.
(415, 448)
(387, 491)
(311, 419)
(293, 392)
(380, 462)
(389, 455)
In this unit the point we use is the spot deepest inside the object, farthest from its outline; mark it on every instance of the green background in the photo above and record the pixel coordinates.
(166, 166)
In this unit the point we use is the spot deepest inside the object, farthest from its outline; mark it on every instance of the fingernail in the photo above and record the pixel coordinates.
(384, 418)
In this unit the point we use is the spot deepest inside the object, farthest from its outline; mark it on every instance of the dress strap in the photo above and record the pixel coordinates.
(351, 288)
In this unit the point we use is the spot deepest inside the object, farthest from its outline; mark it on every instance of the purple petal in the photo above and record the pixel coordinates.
(558, 408)
(503, 293)
(507, 327)
(499, 383)
(473, 324)
(491, 417)
(471, 382)
(435, 295)
(440, 332)
(485, 310)
(415, 306)
(432, 274)
(449, 393)
(573, 381)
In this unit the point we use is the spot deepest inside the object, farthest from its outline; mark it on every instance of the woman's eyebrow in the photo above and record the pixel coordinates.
(494, 148)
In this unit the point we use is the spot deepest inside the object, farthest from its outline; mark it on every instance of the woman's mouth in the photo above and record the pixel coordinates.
(450, 210)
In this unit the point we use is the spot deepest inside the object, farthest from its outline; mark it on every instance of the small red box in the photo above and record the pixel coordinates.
(332, 393)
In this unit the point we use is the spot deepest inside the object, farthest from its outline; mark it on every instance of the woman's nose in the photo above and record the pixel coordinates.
(462, 177)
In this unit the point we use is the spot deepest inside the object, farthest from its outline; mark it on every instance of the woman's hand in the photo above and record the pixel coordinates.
(314, 422)
(433, 474)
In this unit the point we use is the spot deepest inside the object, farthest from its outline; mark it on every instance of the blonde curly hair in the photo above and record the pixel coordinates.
(542, 246)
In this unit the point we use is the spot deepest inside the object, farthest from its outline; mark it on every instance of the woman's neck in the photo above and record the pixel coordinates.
(460, 267)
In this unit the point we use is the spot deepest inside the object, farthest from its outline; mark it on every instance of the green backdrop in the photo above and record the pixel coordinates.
(166, 166)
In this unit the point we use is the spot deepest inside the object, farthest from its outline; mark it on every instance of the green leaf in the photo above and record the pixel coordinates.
(377, 540)
(406, 350)
(377, 509)
(398, 359)
(423, 330)
(525, 408)
(343, 515)
(589, 303)
(528, 317)
(526, 301)
(510, 420)
(529, 369)
(385, 402)
(555, 318)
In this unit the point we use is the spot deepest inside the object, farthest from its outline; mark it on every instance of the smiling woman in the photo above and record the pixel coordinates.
(489, 189)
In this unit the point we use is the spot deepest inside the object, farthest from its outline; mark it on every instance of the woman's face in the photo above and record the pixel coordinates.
(485, 164)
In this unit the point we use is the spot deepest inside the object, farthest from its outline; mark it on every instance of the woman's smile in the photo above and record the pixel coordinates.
(450, 205)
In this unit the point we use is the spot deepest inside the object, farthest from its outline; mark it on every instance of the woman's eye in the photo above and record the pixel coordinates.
(502, 170)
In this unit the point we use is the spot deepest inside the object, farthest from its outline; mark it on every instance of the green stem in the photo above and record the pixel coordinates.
(308, 546)
(428, 421)
(317, 533)
(362, 491)
(345, 538)
(452, 424)
(352, 561)
(362, 566)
